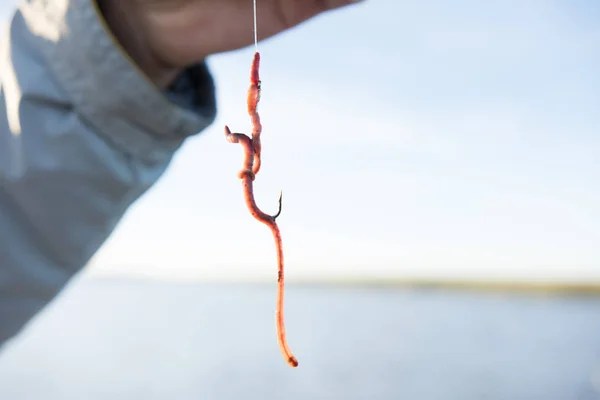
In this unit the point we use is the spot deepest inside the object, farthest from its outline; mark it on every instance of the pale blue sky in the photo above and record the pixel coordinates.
(410, 138)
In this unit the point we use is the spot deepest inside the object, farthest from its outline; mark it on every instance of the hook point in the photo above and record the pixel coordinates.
(279, 210)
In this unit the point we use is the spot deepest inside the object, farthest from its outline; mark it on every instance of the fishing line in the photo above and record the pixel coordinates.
(255, 30)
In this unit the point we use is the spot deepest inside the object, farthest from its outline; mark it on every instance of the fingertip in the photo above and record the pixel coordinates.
(333, 4)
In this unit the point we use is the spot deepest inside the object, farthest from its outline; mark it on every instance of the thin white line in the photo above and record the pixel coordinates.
(255, 30)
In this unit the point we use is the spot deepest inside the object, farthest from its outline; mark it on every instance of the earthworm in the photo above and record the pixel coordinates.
(250, 167)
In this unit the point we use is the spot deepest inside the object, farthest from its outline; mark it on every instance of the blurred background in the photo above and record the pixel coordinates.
(441, 224)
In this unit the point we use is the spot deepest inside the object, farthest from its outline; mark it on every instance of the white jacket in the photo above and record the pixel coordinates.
(83, 134)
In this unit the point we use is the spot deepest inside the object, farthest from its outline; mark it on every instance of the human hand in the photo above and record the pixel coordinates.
(165, 36)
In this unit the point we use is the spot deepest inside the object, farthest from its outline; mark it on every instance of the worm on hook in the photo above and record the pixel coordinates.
(250, 167)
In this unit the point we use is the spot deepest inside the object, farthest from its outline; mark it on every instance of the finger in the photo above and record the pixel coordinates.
(326, 5)
(290, 13)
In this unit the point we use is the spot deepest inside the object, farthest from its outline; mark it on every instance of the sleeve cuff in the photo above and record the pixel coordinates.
(109, 91)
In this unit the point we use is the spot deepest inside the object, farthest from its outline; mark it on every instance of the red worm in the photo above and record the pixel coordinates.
(251, 166)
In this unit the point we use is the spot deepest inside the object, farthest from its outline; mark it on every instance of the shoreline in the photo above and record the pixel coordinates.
(590, 288)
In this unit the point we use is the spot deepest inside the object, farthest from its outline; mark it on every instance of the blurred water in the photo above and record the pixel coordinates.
(118, 340)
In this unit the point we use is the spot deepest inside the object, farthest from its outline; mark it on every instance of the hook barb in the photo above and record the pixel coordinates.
(279, 210)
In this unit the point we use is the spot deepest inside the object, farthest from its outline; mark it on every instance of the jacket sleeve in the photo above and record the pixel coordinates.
(83, 133)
